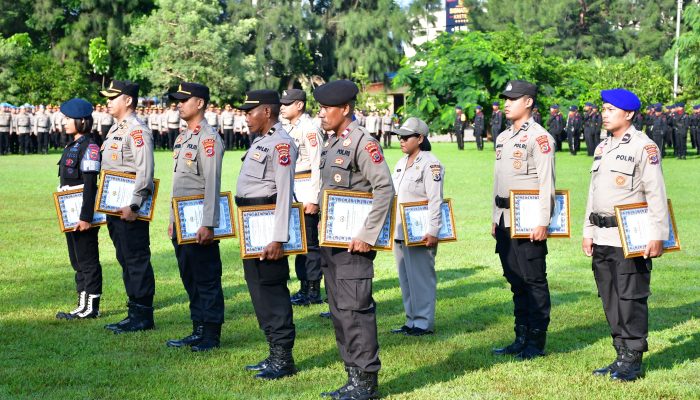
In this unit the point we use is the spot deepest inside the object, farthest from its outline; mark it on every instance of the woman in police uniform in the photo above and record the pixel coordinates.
(78, 169)
(417, 177)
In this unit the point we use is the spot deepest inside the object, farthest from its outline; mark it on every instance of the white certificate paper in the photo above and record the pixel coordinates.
(119, 193)
(349, 218)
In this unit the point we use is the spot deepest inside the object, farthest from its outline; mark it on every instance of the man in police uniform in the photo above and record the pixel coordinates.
(198, 155)
(42, 124)
(496, 122)
(387, 125)
(658, 129)
(267, 177)
(227, 125)
(573, 130)
(536, 116)
(129, 148)
(23, 124)
(154, 124)
(353, 160)
(172, 119)
(5, 126)
(459, 126)
(626, 170)
(309, 140)
(524, 161)
(695, 126)
(680, 131)
(479, 128)
(555, 126)
(597, 124)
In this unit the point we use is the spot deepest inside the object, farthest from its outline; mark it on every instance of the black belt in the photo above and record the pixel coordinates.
(502, 202)
(602, 221)
(255, 201)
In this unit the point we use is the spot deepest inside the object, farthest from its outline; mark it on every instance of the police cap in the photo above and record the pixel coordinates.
(118, 88)
(336, 93)
(518, 88)
(77, 108)
(289, 96)
(254, 98)
(185, 90)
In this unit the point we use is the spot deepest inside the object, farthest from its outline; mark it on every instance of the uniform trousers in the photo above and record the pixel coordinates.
(525, 268)
(132, 244)
(229, 138)
(172, 135)
(4, 143)
(659, 140)
(84, 254)
(479, 140)
(418, 281)
(624, 287)
(348, 279)
(200, 271)
(308, 266)
(681, 143)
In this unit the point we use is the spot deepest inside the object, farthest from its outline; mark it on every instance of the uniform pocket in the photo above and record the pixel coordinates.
(354, 294)
(624, 174)
(536, 250)
(634, 278)
(256, 169)
(340, 177)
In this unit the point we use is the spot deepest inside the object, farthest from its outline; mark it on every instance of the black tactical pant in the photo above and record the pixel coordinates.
(308, 266)
(525, 269)
(24, 143)
(479, 140)
(132, 244)
(623, 286)
(172, 135)
(14, 143)
(156, 138)
(348, 278)
(84, 254)
(387, 139)
(229, 139)
(200, 271)
(696, 134)
(164, 140)
(571, 140)
(659, 140)
(267, 285)
(4, 143)
(43, 142)
(460, 140)
(681, 143)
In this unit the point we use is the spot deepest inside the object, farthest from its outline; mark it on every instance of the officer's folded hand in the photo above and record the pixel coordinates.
(170, 230)
(655, 248)
(272, 251)
(205, 235)
(430, 240)
(538, 234)
(82, 226)
(587, 246)
(127, 214)
(358, 246)
(493, 230)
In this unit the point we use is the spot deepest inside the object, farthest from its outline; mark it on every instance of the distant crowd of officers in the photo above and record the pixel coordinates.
(669, 126)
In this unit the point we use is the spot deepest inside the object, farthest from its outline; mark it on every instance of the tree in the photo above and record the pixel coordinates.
(688, 46)
(98, 54)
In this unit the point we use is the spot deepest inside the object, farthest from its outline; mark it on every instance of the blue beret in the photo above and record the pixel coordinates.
(621, 98)
(573, 108)
(495, 103)
(479, 107)
(669, 107)
(554, 106)
(589, 104)
(696, 107)
(336, 93)
(658, 109)
(680, 104)
(77, 108)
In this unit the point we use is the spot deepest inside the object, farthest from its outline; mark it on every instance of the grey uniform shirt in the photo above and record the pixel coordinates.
(421, 181)
(172, 118)
(23, 122)
(5, 121)
(212, 119)
(42, 123)
(129, 148)
(268, 169)
(227, 118)
(353, 160)
(626, 171)
(525, 161)
(198, 155)
(308, 138)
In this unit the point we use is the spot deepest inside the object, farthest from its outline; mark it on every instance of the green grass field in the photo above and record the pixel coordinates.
(41, 357)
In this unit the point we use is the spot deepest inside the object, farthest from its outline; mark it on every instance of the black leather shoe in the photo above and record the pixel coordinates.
(211, 338)
(140, 319)
(518, 344)
(629, 368)
(362, 386)
(609, 369)
(534, 348)
(326, 315)
(280, 364)
(418, 332)
(191, 340)
(401, 330)
(119, 325)
(259, 366)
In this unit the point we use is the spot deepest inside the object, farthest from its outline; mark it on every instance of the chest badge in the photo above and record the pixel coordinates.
(517, 164)
(339, 161)
(347, 142)
(620, 180)
(337, 178)
(114, 156)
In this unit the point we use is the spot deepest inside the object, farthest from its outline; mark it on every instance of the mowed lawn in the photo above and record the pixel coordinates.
(41, 357)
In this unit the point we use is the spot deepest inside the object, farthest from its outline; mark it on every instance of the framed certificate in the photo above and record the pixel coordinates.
(633, 225)
(68, 205)
(524, 213)
(302, 188)
(416, 220)
(343, 216)
(115, 191)
(188, 217)
(256, 225)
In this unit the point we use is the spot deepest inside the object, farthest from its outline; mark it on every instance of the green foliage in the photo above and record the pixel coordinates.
(98, 54)
(365, 100)
(688, 46)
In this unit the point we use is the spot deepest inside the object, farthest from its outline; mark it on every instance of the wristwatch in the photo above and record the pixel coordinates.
(134, 208)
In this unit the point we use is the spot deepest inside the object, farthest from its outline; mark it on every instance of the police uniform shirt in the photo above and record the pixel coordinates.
(106, 120)
(421, 181)
(479, 123)
(626, 171)
(42, 122)
(172, 118)
(227, 120)
(198, 155)
(212, 119)
(154, 121)
(386, 123)
(5, 121)
(129, 148)
(268, 169)
(525, 161)
(309, 141)
(353, 160)
(78, 167)
(23, 122)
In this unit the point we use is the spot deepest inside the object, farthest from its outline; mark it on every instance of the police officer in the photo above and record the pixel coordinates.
(536, 116)
(418, 176)
(680, 131)
(129, 148)
(669, 137)
(597, 124)
(387, 124)
(227, 124)
(106, 122)
(23, 124)
(695, 126)
(459, 126)
(198, 155)
(42, 124)
(658, 129)
(555, 125)
(479, 128)
(212, 117)
(308, 138)
(573, 130)
(626, 170)
(79, 167)
(267, 177)
(496, 122)
(5, 126)
(524, 160)
(353, 160)
(172, 118)
(154, 125)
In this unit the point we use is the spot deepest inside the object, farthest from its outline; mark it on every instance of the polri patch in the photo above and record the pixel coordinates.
(208, 146)
(543, 142)
(137, 135)
(374, 153)
(283, 150)
(312, 139)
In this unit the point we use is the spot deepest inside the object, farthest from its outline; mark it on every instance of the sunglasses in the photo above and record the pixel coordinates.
(405, 138)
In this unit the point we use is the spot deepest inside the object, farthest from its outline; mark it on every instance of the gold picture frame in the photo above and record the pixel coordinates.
(145, 214)
(297, 243)
(448, 230)
(561, 215)
(628, 225)
(225, 231)
(61, 199)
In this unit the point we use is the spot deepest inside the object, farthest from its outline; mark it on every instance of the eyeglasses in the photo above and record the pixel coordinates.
(405, 138)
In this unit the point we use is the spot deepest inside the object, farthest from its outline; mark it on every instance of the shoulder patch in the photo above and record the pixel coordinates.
(283, 154)
(543, 142)
(137, 135)
(209, 147)
(93, 152)
(652, 154)
(374, 153)
(312, 139)
(436, 170)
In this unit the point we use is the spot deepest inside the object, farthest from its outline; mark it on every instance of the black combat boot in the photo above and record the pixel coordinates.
(140, 319)
(326, 314)
(341, 390)
(536, 339)
(82, 299)
(192, 339)
(280, 364)
(314, 296)
(119, 325)
(300, 298)
(211, 338)
(363, 386)
(629, 368)
(518, 344)
(262, 364)
(92, 308)
(609, 369)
